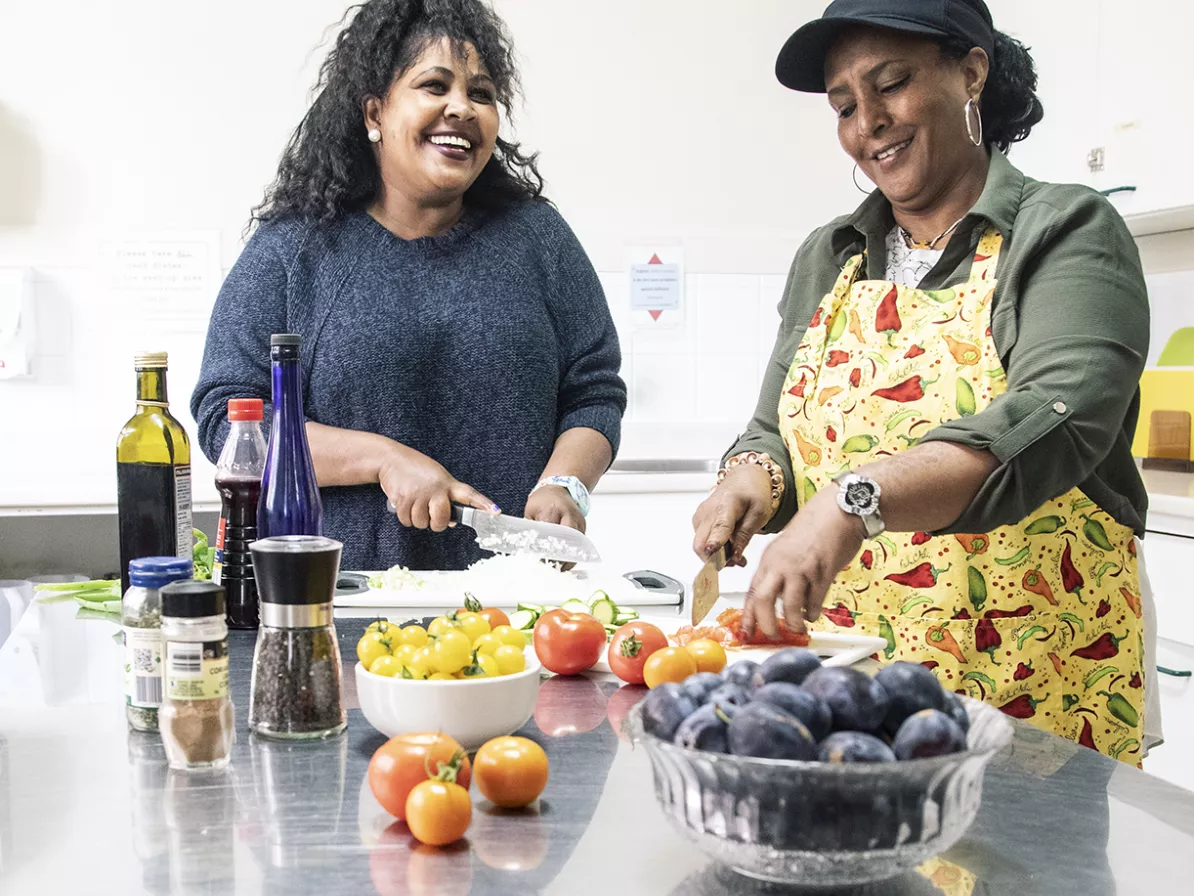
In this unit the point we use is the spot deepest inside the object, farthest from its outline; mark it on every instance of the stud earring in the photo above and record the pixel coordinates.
(374, 135)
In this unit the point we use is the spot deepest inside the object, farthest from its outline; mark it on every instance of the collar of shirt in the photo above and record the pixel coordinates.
(870, 223)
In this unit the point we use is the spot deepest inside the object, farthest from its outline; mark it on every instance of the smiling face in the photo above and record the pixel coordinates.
(438, 122)
(900, 105)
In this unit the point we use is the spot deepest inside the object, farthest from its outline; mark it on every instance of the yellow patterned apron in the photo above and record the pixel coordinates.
(1042, 618)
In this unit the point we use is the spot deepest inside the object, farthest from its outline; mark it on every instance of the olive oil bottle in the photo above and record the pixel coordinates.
(153, 474)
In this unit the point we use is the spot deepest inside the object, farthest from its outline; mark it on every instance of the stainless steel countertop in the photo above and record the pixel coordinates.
(85, 808)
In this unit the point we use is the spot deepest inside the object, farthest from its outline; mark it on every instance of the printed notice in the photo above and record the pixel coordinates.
(166, 285)
(657, 286)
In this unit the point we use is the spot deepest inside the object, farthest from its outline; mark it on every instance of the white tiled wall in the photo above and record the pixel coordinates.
(706, 369)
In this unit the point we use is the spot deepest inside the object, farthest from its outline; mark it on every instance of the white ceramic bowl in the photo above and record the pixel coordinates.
(472, 711)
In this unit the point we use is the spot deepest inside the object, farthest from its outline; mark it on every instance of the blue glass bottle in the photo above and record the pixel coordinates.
(289, 503)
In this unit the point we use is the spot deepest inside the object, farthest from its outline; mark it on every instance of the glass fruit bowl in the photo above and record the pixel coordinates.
(819, 824)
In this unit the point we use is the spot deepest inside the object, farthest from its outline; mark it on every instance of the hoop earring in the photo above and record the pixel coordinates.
(977, 141)
(857, 186)
(374, 135)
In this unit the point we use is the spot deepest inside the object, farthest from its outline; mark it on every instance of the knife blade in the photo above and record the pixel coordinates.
(514, 535)
(705, 590)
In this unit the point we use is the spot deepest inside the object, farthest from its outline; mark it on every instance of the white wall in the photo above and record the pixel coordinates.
(657, 120)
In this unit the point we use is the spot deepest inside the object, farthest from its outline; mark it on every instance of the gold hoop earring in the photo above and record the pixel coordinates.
(857, 186)
(977, 141)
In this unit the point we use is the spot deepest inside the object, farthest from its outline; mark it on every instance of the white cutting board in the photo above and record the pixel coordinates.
(442, 591)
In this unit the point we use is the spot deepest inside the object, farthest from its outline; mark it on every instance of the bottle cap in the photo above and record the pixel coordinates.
(285, 339)
(192, 599)
(156, 572)
(144, 360)
(245, 409)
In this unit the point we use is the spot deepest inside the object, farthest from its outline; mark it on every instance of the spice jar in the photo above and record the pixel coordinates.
(141, 621)
(196, 718)
(296, 664)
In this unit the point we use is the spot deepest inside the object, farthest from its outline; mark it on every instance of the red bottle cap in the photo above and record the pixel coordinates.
(245, 409)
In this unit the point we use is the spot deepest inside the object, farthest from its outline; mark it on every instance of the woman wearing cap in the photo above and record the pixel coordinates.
(943, 440)
(457, 345)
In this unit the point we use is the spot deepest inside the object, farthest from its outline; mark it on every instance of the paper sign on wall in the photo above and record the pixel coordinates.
(656, 286)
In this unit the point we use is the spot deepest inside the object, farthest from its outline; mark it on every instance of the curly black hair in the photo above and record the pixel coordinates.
(329, 169)
(1009, 105)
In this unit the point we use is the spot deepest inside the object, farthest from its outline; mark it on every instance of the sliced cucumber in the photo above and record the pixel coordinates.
(522, 620)
(537, 609)
(611, 630)
(575, 606)
(596, 596)
(605, 610)
(624, 616)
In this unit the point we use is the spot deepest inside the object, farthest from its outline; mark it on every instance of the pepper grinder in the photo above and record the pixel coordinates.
(295, 692)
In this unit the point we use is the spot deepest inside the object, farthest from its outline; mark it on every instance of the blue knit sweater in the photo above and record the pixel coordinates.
(477, 348)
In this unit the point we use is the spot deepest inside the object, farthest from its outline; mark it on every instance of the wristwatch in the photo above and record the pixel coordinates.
(575, 488)
(859, 495)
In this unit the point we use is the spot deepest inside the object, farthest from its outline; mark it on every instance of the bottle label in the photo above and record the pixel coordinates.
(142, 667)
(217, 564)
(182, 511)
(196, 671)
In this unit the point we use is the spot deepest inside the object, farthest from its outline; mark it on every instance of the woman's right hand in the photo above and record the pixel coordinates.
(736, 510)
(422, 491)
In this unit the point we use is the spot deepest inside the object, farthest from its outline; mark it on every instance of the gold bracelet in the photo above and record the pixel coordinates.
(762, 459)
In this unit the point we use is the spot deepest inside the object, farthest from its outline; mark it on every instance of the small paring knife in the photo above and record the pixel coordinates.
(705, 590)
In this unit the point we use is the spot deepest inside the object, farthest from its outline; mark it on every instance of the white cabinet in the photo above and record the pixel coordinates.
(1112, 77)
(1167, 559)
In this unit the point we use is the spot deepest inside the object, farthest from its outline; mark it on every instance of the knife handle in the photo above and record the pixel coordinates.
(458, 512)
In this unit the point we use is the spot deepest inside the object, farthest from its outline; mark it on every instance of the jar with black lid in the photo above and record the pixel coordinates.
(296, 664)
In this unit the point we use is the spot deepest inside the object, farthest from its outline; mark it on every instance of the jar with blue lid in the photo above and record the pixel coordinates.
(141, 623)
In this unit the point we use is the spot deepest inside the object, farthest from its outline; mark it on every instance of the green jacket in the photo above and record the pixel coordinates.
(1070, 322)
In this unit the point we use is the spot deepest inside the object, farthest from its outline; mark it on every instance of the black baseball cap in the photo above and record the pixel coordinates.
(801, 62)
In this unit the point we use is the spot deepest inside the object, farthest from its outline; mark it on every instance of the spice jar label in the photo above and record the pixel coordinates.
(142, 667)
(196, 671)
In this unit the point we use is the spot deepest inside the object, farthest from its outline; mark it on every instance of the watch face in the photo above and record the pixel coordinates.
(861, 498)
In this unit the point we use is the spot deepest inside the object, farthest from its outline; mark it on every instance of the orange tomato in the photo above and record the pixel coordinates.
(668, 664)
(510, 772)
(709, 655)
(408, 759)
(494, 616)
(438, 812)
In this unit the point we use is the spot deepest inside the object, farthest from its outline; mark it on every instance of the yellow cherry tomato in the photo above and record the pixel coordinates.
(668, 664)
(488, 643)
(371, 646)
(451, 652)
(511, 636)
(414, 635)
(441, 676)
(387, 666)
(709, 655)
(472, 625)
(441, 624)
(404, 653)
(484, 666)
(380, 625)
(510, 659)
(421, 664)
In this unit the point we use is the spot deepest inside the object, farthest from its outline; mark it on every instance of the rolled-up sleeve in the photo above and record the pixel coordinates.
(1077, 324)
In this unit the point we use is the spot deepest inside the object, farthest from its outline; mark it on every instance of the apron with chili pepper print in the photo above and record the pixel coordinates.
(1042, 618)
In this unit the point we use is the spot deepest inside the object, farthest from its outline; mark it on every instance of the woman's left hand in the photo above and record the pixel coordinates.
(553, 504)
(800, 564)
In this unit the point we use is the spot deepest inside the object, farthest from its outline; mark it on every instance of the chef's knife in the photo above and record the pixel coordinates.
(515, 535)
(705, 589)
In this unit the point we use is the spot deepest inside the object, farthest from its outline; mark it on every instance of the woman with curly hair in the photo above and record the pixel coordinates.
(457, 346)
(957, 365)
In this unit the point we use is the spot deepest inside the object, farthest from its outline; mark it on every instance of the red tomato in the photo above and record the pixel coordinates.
(621, 702)
(569, 706)
(568, 643)
(404, 761)
(630, 647)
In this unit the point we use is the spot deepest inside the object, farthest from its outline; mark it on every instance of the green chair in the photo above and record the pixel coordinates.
(1179, 350)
